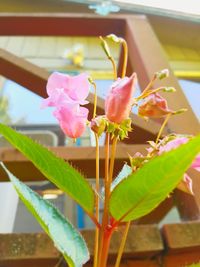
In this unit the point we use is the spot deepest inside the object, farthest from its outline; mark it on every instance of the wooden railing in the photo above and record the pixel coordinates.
(176, 245)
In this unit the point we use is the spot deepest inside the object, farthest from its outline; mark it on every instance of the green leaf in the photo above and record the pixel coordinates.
(194, 265)
(59, 172)
(144, 190)
(65, 237)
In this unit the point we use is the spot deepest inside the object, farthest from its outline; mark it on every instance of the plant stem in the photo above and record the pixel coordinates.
(107, 190)
(95, 99)
(106, 232)
(149, 92)
(105, 248)
(163, 126)
(96, 245)
(106, 201)
(114, 67)
(150, 84)
(125, 47)
(112, 161)
(122, 245)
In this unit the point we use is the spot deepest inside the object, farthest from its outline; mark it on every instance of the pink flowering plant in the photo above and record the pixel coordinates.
(144, 181)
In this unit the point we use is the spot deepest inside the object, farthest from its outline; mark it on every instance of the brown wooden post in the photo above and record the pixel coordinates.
(26, 171)
(182, 244)
(147, 57)
(38, 250)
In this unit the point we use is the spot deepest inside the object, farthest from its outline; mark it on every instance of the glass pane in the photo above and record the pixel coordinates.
(192, 92)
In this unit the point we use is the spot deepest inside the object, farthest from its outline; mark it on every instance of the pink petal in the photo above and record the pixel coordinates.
(74, 87)
(56, 99)
(196, 163)
(78, 87)
(72, 119)
(56, 80)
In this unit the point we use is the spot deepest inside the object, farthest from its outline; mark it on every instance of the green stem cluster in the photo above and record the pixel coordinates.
(104, 231)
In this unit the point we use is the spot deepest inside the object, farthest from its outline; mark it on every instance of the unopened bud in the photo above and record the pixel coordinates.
(105, 47)
(169, 89)
(98, 125)
(162, 74)
(91, 81)
(180, 111)
(115, 38)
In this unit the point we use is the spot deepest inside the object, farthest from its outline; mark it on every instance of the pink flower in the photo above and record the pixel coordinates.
(119, 102)
(66, 94)
(155, 106)
(186, 183)
(63, 89)
(72, 119)
(196, 163)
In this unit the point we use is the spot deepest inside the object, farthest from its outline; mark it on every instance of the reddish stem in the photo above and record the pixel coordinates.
(105, 248)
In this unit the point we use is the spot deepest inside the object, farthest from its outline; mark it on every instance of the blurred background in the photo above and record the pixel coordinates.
(176, 25)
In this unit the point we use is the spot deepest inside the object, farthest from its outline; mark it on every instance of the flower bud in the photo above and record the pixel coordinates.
(169, 89)
(98, 125)
(119, 101)
(105, 47)
(162, 74)
(115, 38)
(180, 111)
(155, 106)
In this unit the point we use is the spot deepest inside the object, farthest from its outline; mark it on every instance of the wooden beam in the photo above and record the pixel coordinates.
(182, 236)
(38, 249)
(146, 56)
(23, 72)
(82, 158)
(144, 247)
(188, 205)
(183, 244)
(52, 24)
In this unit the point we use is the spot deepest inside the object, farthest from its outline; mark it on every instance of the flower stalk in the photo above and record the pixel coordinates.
(122, 244)
(162, 127)
(125, 50)
(96, 244)
(105, 220)
(110, 57)
(95, 96)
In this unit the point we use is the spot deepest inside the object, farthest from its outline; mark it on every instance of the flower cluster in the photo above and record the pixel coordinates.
(167, 144)
(67, 94)
(186, 183)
